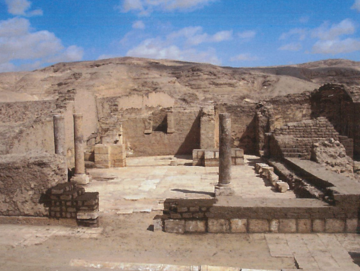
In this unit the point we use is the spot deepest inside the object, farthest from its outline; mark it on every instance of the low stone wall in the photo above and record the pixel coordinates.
(236, 215)
(67, 200)
(25, 178)
(210, 157)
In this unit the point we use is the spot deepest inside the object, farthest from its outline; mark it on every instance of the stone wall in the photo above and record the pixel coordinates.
(24, 178)
(231, 215)
(296, 139)
(146, 135)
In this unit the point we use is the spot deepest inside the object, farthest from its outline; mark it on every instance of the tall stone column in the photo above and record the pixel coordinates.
(80, 177)
(59, 134)
(223, 187)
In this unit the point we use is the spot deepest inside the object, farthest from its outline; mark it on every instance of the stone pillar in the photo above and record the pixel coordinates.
(170, 122)
(59, 134)
(80, 177)
(223, 187)
(207, 128)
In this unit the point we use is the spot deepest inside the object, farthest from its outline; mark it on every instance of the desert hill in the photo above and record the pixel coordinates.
(186, 82)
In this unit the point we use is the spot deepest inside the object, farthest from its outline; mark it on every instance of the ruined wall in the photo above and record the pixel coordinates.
(295, 139)
(242, 125)
(145, 142)
(23, 180)
(26, 126)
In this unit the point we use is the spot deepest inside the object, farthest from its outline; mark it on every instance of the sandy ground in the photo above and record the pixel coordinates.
(129, 200)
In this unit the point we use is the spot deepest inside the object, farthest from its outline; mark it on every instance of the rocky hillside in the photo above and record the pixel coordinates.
(185, 81)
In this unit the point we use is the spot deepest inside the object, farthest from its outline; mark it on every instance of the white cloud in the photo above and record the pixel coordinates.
(325, 32)
(21, 7)
(248, 35)
(145, 7)
(291, 47)
(336, 46)
(18, 42)
(138, 25)
(244, 57)
(194, 35)
(159, 49)
(299, 33)
(356, 5)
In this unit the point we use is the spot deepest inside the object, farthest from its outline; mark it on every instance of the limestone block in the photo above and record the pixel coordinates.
(334, 225)
(352, 225)
(158, 224)
(318, 225)
(195, 154)
(218, 225)
(287, 225)
(87, 215)
(195, 226)
(209, 155)
(282, 187)
(239, 161)
(274, 225)
(175, 226)
(258, 225)
(304, 225)
(273, 178)
(238, 225)
(101, 149)
(239, 153)
(211, 162)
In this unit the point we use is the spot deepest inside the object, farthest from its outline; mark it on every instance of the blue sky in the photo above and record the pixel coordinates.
(238, 33)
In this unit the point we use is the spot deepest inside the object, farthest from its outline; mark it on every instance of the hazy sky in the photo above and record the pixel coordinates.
(234, 33)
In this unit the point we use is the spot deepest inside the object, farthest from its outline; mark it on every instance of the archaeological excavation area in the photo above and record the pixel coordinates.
(164, 161)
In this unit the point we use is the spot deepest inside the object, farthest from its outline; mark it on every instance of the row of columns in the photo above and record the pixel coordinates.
(60, 145)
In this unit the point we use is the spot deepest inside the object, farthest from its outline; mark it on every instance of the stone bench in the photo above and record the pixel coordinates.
(210, 157)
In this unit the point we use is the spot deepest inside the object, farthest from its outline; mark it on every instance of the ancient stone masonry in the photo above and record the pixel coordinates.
(296, 139)
(67, 200)
(207, 128)
(110, 155)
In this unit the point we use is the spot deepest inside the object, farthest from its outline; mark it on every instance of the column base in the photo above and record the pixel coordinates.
(223, 190)
(81, 178)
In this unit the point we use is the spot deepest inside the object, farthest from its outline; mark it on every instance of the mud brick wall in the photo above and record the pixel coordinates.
(25, 178)
(289, 216)
(348, 143)
(67, 200)
(185, 138)
(296, 139)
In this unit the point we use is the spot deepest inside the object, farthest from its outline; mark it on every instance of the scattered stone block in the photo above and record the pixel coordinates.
(238, 225)
(334, 225)
(282, 187)
(287, 225)
(218, 225)
(158, 223)
(87, 215)
(196, 226)
(318, 225)
(258, 225)
(304, 225)
(175, 226)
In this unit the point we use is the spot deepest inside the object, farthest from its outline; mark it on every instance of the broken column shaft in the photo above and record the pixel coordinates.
(59, 134)
(223, 187)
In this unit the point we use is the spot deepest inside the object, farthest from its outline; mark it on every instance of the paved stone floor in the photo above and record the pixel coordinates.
(130, 198)
(146, 182)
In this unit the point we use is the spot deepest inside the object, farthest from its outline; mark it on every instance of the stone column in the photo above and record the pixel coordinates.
(59, 134)
(80, 177)
(170, 122)
(223, 187)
